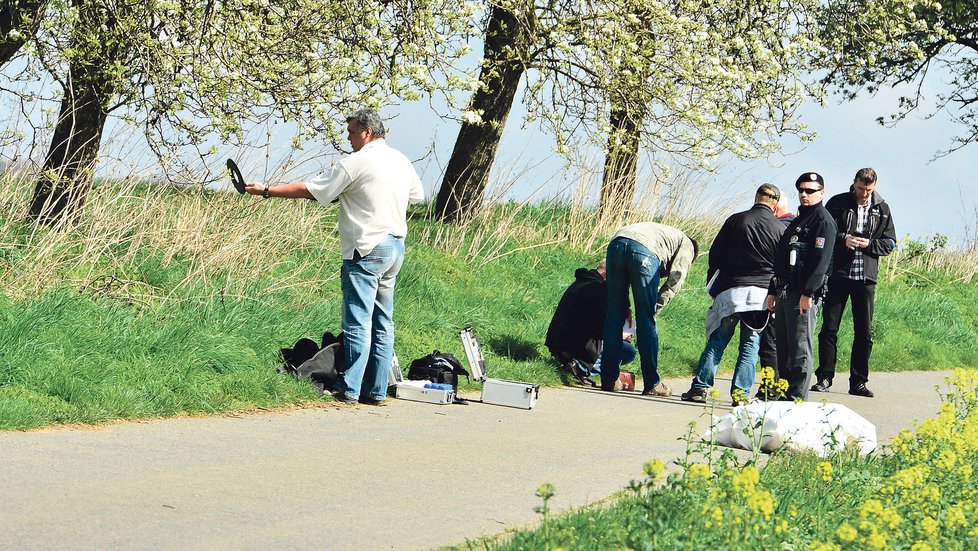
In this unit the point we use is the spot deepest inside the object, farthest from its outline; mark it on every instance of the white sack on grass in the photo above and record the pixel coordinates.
(822, 428)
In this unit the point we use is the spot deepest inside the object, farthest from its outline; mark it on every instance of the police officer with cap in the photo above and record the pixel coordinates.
(801, 267)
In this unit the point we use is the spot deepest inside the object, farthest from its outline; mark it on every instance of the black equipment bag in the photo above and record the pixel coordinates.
(437, 367)
(320, 363)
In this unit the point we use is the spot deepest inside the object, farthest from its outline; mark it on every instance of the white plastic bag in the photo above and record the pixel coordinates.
(822, 428)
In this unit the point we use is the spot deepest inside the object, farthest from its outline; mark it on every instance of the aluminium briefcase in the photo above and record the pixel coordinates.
(496, 391)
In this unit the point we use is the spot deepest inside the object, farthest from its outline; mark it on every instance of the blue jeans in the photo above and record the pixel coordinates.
(628, 353)
(368, 322)
(631, 264)
(750, 342)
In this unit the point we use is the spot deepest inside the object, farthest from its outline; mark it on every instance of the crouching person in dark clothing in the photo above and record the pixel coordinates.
(575, 335)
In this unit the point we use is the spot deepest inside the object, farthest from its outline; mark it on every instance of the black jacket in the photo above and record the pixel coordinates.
(743, 250)
(811, 235)
(879, 229)
(580, 314)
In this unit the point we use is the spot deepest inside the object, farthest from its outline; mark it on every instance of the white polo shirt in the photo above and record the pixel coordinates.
(374, 187)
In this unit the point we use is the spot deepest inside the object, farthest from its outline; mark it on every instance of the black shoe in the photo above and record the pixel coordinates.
(694, 396)
(861, 390)
(367, 400)
(822, 385)
(340, 397)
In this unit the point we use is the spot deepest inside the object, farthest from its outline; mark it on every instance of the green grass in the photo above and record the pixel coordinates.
(162, 318)
(918, 494)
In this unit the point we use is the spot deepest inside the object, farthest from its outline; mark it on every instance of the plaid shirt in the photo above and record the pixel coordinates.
(856, 270)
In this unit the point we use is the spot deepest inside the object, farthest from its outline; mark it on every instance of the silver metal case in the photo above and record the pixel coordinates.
(496, 391)
(415, 391)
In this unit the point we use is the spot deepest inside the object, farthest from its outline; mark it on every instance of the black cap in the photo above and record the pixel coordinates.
(810, 177)
(769, 190)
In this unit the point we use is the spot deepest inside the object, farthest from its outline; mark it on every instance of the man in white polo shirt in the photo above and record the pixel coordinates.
(374, 186)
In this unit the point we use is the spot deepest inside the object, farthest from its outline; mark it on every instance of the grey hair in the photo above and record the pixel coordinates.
(368, 119)
(601, 265)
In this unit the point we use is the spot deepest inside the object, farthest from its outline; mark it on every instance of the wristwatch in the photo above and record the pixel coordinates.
(264, 192)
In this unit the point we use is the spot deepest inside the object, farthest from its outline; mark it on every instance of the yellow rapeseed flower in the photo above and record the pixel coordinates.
(846, 533)
(698, 470)
(655, 469)
(824, 470)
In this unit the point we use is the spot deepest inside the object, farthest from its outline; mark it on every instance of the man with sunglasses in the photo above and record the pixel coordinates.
(801, 267)
(866, 233)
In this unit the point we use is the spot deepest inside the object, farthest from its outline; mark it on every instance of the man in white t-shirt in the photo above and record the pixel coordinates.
(374, 186)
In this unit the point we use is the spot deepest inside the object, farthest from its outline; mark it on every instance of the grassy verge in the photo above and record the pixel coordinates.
(159, 302)
(919, 495)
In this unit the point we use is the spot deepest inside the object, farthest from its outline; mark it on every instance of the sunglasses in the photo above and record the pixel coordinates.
(807, 191)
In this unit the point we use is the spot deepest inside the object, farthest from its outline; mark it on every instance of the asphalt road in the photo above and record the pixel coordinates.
(406, 476)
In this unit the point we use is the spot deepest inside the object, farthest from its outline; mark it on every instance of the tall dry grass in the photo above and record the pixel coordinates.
(225, 241)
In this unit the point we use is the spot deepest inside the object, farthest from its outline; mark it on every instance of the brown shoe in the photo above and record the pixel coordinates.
(659, 389)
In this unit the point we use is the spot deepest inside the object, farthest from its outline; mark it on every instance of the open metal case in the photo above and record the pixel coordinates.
(416, 390)
(496, 391)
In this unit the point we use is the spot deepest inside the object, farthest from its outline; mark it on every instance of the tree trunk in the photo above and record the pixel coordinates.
(620, 177)
(508, 39)
(22, 16)
(70, 164)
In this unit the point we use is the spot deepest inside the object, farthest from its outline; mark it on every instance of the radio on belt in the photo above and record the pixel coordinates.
(496, 391)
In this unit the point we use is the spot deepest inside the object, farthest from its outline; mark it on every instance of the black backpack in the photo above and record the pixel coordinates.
(320, 363)
(437, 367)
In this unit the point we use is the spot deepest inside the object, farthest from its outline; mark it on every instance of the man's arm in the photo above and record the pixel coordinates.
(820, 256)
(416, 193)
(677, 275)
(886, 242)
(294, 190)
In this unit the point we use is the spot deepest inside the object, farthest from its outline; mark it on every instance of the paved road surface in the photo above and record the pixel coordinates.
(405, 476)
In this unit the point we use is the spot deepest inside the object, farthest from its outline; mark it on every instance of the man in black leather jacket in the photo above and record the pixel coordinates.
(865, 233)
(801, 266)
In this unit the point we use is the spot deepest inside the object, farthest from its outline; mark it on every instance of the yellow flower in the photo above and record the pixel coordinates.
(745, 481)
(876, 541)
(846, 533)
(655, 469)
(817, 546)
(698, 470)
(824, 470)
(929, 526)
(921, 546)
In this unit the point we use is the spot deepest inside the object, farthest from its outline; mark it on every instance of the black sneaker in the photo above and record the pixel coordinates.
(698, 396)
(367, 400)
(340, 397)
(823, 386)
(861, 390)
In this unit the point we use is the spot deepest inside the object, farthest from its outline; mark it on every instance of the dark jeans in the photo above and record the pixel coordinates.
(795, 332)
(769, 348)
(631, 265)
(862, 295)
